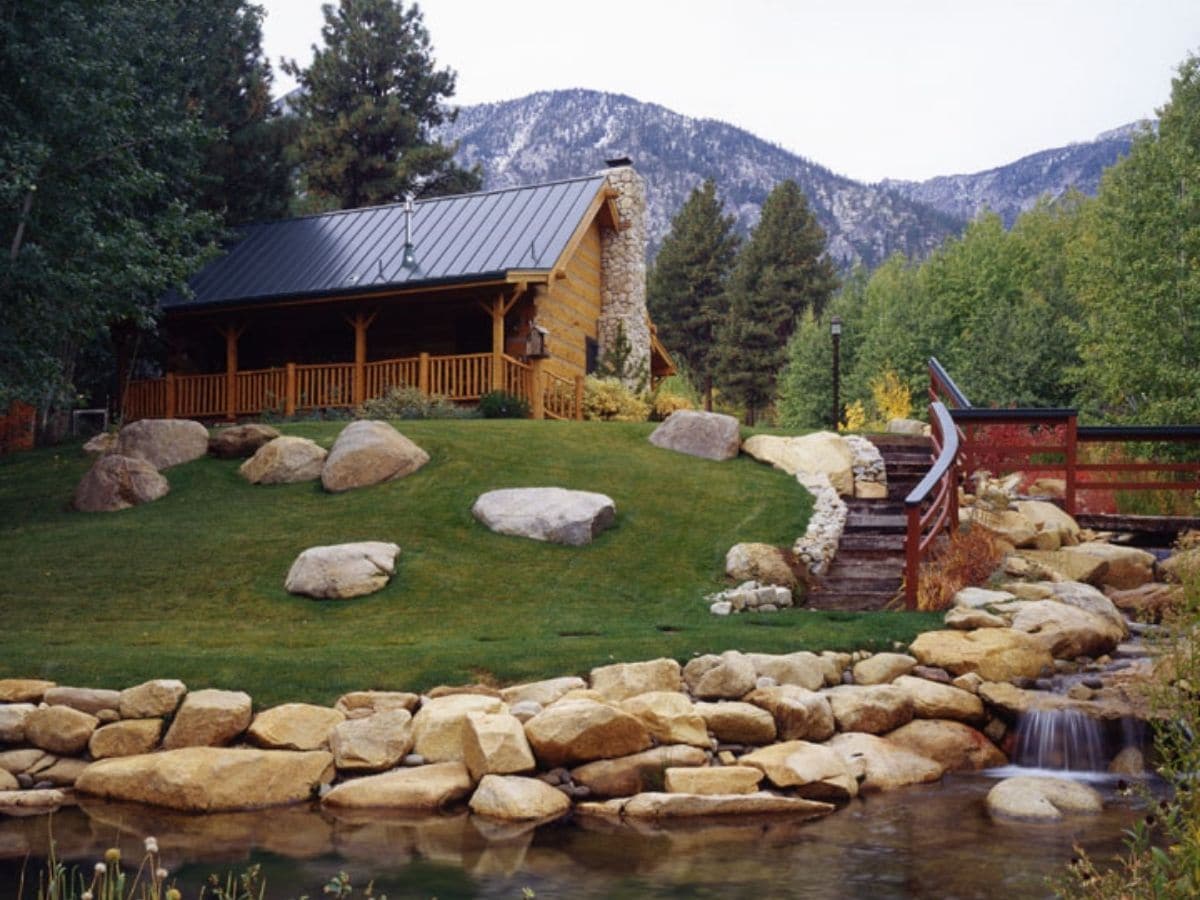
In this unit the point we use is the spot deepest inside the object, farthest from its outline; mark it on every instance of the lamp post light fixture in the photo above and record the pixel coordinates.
(835, 329)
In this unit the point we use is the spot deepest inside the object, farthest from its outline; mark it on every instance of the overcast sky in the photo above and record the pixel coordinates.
(868, 88)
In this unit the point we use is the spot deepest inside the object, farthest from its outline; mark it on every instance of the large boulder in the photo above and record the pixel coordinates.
(737, 723)
(729, 676)
(209, 779)
(367, 453)
(240, 441)
(341, 571)
(542, 692)
(712, 780)
(1041, 799)
(885, 766)
(285, 460)
(513, 798)
(622, 680)
(1128, 567)
(209, 718)
(669, 717)
(1008, 525)
(1065, 631)
(119, 482)
(1149, 602)
(88, 700)
(800, 714)
(1067, 566)
(23, 690)
(819, 453)
(163, 442)
(423, 787)
(704, 434)
(953, 745)
(1049, 518)
(360, 704)
(804, 669)
(882, 668)
(60, 729)
(1088, 599)
(931, 700)
(575, 731)
(996, 654)
(495, 744)
(688, 806)
(129, 737)
(549, 514)
(372, 743)
(294, 726)
(874, 709)
(151, 699)
(812, 770)
(439, 727)
(12, 722)
(764, 563)
(628, 775)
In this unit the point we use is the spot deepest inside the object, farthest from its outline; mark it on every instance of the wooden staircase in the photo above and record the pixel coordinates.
(868, 572)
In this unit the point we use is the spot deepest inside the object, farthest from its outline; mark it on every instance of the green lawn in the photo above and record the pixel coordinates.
(191, 586)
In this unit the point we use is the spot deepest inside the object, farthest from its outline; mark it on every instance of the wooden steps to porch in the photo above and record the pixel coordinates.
(867, 573)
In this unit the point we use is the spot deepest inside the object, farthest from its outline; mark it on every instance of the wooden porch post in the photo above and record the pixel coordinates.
(579, 380)
(423, 373)
(232, 333)
(537, 387)
(360, 322)
(498, 343)
(170, 391)
(289, 396)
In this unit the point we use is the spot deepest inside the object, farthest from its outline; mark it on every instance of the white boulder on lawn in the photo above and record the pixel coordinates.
(549, 514)
(704, 434)
(163, 442)
(367, 453)
(819, 453)
(341, 571)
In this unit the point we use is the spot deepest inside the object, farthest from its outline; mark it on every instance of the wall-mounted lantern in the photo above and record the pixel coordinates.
(535, 344)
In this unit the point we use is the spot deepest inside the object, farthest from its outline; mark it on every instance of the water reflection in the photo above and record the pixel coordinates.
(929, 841)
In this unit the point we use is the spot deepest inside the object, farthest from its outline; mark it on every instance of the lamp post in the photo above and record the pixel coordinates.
(835, 329)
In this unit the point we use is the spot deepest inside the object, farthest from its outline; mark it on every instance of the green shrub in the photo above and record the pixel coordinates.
(608, 400)
(503, 405)
(410, 403)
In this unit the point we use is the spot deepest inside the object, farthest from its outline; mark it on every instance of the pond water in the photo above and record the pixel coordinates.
(928, 841)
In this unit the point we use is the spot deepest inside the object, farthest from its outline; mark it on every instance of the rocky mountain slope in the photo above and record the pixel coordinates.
(561, 134)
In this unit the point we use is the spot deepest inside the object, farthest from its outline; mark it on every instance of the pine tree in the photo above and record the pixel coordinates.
(686, 288)
(780, 272)
(369, 100)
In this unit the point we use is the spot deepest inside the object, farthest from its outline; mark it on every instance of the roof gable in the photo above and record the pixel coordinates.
(462, 238)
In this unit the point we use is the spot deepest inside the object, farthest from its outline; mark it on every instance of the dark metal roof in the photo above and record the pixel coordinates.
(464, 238)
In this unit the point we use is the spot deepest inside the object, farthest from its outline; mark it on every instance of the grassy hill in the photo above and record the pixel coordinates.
(191, 586)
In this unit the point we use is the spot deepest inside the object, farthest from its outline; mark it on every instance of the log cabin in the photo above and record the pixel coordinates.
(521, 290)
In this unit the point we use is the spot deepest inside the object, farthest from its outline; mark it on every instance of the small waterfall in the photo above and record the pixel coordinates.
(1063, 739)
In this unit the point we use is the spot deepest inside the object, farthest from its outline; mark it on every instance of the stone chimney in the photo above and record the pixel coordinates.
(623, 261)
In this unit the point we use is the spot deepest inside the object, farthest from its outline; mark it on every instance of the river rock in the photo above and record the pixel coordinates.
(152, 699)
(342, 571)
(981, 598)
(294, 726)
(764, 563)
(424, 787)
(962, 618)
(209, 779)
(549, 514)
(886, 766)
(239, 441)
(360, 704)
(23, 803)
(729, 676)
(874, 709)
(1149, 602)
(60, 729)
(997, 654)
(367, 453)
(733, 722)
(669, 717)
(495, 744)
(578, 731)
(8, 782)
(209, 718)
(12, 722)
(623, 680)
(513, 798)
(23, 690)
(814, 771)
(1068, 566)
(27, 759)
(1008, 525)
(1065, 631)
(63, 773)
(685, 806)
(882, 668)
(119, 482)
(1089, 599)
(954, 746)
(1051, 519)
(628, 775)
(1128, 567)
(285, 460)
(439, 727)
(372, 743)
(819, 453)
(804, 669)
(799, 714)
(542, 692)
(129, 737)
(88, 700)
(940, 701)
(709, 780)
(163, 442)
(704, 434)
(1041, 799)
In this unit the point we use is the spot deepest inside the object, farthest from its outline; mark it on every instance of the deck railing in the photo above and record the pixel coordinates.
(1034, 440)
(462, 378)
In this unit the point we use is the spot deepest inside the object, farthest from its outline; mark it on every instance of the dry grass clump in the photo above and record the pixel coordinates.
(968, 558)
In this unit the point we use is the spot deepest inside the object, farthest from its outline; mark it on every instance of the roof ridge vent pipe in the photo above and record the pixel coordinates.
(410, 257)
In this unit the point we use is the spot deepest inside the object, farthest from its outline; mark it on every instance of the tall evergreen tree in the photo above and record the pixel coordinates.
(369, 100)
(686, 288)
(781, 272)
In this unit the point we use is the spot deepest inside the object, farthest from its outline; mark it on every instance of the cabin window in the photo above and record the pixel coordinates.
(592, 351)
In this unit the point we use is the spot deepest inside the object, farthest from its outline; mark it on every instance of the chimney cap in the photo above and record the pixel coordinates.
(618, 161)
